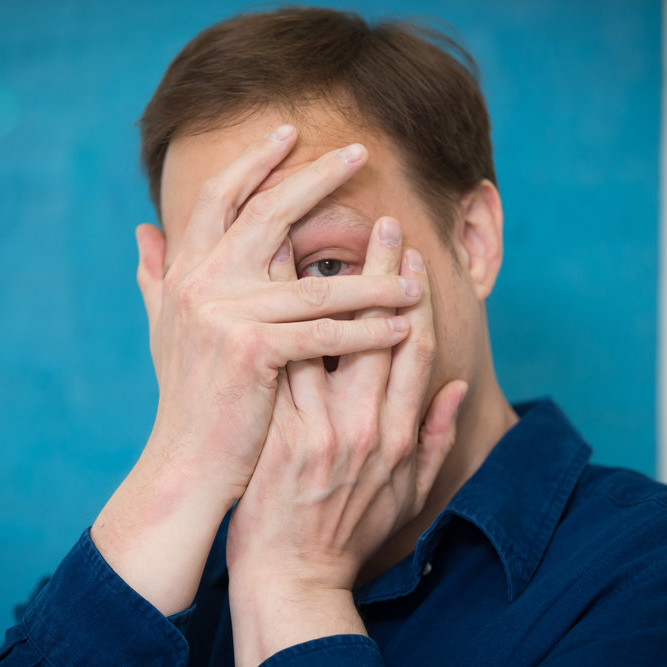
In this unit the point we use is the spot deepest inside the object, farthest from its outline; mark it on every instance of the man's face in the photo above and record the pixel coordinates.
(339, 228)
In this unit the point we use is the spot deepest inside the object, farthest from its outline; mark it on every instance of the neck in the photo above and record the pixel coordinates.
(484, 418)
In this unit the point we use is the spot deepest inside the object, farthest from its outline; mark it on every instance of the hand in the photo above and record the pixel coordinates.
(347, 462)
(221, 329)
(220, 332)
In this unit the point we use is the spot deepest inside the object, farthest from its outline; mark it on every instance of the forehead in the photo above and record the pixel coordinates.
(379, 188)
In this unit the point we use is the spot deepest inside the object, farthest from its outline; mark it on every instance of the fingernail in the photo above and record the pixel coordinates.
(397, 323)
(415, 261)
(390, 232)
(411, 286)
(281, 133)
(351, 154)
(283, 253)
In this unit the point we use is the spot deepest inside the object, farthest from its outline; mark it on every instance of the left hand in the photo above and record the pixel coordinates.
(348, 461)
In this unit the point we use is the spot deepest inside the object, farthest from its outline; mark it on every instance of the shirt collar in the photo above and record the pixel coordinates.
(516, 499)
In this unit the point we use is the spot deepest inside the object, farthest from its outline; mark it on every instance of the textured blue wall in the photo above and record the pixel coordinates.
(574, 90)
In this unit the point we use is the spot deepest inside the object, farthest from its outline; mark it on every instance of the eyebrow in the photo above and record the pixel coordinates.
(338, 215)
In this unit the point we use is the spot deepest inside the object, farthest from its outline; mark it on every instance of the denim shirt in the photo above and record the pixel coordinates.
(540, 558)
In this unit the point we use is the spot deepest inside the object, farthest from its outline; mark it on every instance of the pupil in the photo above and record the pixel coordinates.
(328, 267)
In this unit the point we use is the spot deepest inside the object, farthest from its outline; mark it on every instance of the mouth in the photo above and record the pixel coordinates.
(330, 363)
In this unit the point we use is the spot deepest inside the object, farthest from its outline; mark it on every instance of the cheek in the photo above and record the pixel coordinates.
(456, 327)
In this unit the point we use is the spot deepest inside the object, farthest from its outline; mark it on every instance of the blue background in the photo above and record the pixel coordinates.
(574, 92)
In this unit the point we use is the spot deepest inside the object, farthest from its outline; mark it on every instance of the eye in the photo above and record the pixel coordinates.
(324, 268)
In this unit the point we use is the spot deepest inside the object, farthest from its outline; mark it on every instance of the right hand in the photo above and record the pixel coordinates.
(221, 330)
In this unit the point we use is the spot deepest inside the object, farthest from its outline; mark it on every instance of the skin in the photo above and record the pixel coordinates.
(338, 473)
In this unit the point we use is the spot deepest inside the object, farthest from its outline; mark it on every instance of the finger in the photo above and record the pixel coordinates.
(312, 298)
(298, 341)
(437, 435)
(267, 216)
(413, 359)
(282, 418)
(282, 266)
(383, 257)
(283, 401)
(305, 379)
(222, 195)
(151, 244)
(307, 384)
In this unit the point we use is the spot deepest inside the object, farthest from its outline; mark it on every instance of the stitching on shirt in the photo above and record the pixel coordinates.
(554, 509)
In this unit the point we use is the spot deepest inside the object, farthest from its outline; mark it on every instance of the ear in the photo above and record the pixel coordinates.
(151, 243)
(480, 236)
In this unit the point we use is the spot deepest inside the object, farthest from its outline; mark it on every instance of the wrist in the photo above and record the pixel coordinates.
(156, 532)
(271, 614)
(194, 469)
(175, 483)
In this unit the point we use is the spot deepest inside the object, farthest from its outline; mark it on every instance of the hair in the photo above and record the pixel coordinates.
(412, 84)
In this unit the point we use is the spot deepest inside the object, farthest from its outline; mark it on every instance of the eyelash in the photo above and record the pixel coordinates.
(316, 265)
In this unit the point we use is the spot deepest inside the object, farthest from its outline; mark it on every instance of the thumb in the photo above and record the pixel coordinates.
(151, 244)
(437, 435)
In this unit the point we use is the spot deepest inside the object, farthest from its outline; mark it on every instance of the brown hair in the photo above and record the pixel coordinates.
(391, 78)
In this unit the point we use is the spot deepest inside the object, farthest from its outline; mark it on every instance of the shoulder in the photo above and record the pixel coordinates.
(616, 520)
(617, 496)
(623, 488)
(609, 555)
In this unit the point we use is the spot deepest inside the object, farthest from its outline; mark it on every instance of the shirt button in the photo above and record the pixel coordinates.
(427, 569)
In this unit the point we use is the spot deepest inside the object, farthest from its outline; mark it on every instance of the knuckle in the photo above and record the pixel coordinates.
(252, 351)
(243, 342)
(425, 348)
(398, 451)
(328, 450)
(212, 326)
(401, 450)
(375, 330)
(387, 264)
(367, 440)
(315, 292)
(262, 207)
(240, 342)
(186, 292)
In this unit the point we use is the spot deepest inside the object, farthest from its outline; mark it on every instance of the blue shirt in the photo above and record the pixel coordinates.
(540, 558)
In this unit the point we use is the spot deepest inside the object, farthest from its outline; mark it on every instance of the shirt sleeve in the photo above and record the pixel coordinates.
(626, 626)
(87, 615)
(334, 651)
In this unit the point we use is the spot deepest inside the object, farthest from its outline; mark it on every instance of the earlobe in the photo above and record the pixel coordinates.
(482, 236)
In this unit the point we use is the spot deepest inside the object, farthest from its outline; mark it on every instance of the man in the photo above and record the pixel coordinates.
(331, 230)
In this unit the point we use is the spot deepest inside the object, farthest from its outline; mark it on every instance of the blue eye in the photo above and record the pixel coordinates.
(325, 268)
